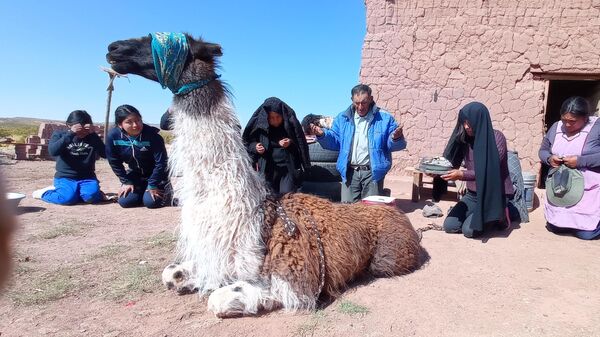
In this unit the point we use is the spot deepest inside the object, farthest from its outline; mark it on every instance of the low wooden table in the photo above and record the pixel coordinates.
(418, 182)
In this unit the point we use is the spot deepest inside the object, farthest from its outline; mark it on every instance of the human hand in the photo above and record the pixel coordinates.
(125, 189)
(453, 175)
(76, 128)
(397, 133)
(81, 130)
(570, 161)
(316, 130)
(285, 142)
(155, 193)
(555, 161)
(260, 148)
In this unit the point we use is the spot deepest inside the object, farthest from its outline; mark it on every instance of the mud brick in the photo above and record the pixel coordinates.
(33, 139)
(20, 152)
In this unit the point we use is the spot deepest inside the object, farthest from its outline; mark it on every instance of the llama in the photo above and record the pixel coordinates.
(248, 250)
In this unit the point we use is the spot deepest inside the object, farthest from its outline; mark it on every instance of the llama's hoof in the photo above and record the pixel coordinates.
(179, 277)
(235, 300)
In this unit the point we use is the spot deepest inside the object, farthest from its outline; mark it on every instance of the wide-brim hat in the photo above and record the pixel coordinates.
(564, 186)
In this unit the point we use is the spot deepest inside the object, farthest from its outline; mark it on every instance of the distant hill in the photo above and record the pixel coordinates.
(24, 121)
(27, 121)
(18, 128)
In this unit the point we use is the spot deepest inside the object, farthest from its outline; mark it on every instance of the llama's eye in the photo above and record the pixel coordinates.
(237, 289)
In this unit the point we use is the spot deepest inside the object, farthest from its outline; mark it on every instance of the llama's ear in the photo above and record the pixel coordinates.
(213, 49)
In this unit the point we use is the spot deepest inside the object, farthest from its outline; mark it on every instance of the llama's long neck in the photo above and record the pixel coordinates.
(221, 194)
(210, 148)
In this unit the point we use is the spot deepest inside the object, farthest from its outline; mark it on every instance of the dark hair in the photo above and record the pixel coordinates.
(576, 105)
(124, 111)
(359, 89)
(79, 117)
(310, 119)
(461, 134)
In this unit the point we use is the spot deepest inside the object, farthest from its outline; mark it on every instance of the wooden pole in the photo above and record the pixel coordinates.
(108, 100)
(111, 75)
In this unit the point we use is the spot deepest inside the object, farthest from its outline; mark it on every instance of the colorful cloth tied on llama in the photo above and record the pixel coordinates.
(169, 51)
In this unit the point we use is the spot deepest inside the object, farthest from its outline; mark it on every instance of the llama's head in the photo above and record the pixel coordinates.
(179, 56)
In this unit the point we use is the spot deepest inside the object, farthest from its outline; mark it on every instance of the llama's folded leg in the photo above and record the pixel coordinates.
(241, 298)
(398, 251)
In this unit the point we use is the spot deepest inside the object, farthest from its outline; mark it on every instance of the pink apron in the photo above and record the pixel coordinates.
(584, 215)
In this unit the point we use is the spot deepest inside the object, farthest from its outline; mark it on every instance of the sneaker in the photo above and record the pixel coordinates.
(37, 194)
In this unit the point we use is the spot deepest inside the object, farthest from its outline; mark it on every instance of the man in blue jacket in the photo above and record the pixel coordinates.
(365, 137)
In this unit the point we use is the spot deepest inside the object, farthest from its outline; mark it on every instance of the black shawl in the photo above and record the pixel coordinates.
(490, 187)
(258, 128)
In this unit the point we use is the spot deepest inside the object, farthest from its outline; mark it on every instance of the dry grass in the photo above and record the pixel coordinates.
(48, 287)
(308, 328)
(350, 308)
(71, 228)
(161, 240)
(133, 281)
(18, 131)
(109, 251)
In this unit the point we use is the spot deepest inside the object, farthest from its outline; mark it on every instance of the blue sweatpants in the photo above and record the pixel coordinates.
(70, 191)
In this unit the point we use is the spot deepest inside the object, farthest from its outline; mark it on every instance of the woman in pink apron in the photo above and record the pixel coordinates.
(575, 142)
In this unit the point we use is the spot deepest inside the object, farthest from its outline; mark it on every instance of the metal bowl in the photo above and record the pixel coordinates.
(13, 199)
(435, 165)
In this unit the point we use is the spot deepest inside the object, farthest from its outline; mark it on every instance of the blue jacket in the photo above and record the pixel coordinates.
(381, 145)
(145, 155)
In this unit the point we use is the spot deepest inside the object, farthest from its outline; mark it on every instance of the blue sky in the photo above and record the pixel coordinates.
(305, 52)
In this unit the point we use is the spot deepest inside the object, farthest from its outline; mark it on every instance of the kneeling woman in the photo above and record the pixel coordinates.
(75, 151)
(483, 150)
(277, 145)
(145, 182)
(574, 141)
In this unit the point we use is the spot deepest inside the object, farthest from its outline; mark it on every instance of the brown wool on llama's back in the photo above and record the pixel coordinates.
(356, 238)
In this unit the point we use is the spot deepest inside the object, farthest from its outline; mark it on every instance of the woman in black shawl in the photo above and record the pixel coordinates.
(276, 143)
(483, 150)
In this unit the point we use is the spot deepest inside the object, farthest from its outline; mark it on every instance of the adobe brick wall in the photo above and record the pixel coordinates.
(29, 151)
(425, 59)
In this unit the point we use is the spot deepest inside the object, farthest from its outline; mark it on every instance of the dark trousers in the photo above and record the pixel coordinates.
(460, 217)
(359, 184)
(282, 181)
(578, 233)
(140, 196)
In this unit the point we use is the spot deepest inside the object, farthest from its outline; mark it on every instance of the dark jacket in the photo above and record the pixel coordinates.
(145, 155)
(491, 199)
(75, 157)
(257, 131)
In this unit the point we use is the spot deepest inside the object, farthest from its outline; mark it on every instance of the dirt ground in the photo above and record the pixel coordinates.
(94, 270)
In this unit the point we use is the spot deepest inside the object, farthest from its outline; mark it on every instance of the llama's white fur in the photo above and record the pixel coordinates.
(221, 196)
(242, 298)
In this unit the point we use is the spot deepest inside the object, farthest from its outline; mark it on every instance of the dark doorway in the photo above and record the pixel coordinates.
(558, 92)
